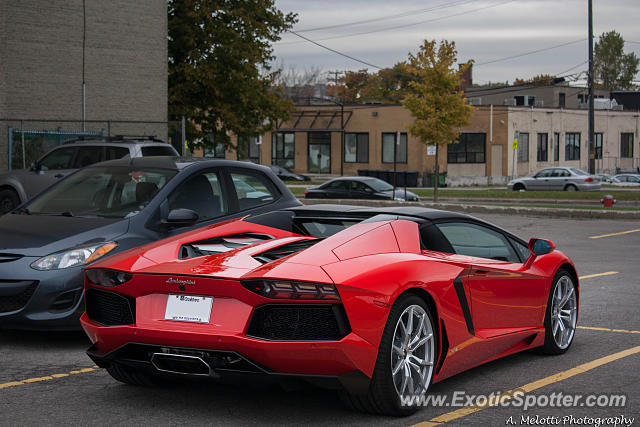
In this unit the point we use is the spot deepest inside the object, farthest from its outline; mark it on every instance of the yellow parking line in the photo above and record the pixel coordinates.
(560, 376)
(615, 234)
(591, 276)
(593, 328)
(46, 378)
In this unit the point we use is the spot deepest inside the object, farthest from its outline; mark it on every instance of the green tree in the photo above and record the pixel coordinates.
(388, 85)
(436, 99)
(612, 66)
(539, 80)
(220, 76)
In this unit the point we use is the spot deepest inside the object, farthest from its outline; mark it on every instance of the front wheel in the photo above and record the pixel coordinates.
(570, 187)
(405, 363)
(9, 200)
(562, 314)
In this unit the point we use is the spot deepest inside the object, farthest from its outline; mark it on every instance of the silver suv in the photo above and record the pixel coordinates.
(16, 187)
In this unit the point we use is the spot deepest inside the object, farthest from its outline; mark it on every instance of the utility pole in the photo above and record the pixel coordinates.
(592, 148)
(335, 79)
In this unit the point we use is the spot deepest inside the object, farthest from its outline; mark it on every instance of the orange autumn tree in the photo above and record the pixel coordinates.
(435, 98)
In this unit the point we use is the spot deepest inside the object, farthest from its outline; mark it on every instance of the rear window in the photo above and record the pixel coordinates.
(158, 151)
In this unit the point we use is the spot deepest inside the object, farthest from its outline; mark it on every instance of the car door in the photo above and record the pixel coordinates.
(338, 189)
(50, 169)
(505, 296)
(541, 180)
(360, 190)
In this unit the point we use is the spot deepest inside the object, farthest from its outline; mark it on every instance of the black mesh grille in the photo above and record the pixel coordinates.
(110, 308)
(309, 322)
(16, 302)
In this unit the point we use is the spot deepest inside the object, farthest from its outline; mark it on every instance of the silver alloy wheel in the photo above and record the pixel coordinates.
(412, 352)
(564, 312)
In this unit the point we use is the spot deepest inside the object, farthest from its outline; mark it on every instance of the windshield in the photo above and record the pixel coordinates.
(116, 192)
(379, 185)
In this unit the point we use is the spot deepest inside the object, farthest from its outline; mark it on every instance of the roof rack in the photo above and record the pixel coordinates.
(113, 138)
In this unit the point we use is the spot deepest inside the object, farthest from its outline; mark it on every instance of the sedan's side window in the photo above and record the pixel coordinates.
(58, 159)
(544, 173)
(253, 189)
(202, 194)
(337, 185)
(478, 241)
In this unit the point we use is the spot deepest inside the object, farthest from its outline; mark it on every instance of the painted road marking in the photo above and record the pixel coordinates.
(527, 388)
(46, 378)
(615, 234)
(591, 276)
(593, 328)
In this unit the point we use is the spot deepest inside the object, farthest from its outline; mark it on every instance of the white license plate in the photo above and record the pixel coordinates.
(188, 308)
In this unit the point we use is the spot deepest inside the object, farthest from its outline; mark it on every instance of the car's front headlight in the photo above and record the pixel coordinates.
(74, 257)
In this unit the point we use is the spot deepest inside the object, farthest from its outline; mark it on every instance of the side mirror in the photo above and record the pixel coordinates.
(34, 167)
(181, 218)
(540, 246)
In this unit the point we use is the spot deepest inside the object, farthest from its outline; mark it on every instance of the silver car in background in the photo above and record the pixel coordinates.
(557, 178)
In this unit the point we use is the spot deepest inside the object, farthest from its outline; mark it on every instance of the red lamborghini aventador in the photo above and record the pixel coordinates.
(379, 303)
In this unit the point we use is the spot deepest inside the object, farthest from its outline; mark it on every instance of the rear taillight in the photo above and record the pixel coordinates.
(280, 289)
(588, 179)
(107, 278)
(306, 193)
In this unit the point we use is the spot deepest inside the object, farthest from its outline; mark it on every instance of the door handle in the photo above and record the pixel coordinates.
(58, 175)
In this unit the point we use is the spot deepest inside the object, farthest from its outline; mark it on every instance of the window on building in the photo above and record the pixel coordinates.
(470, 148)
(526, 100)
(543, 146)
(572, 146)
(282, 149)
(388, 145)
(356, 147)
(556, 146)
(598, 145)
(523, 147)
(217, 152)
(248, 148)
(562, 99)
(626, 144)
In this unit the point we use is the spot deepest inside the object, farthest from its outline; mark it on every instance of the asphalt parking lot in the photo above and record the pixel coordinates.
(46, 378)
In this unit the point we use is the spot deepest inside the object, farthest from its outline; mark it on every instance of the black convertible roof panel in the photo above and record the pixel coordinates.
(364, 211)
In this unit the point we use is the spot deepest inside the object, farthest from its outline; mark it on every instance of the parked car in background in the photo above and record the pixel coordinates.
(605, 178)
(627, 179)
(110, 207)
(557, 178)
(359, 187)
(16, 187)
(286, 175)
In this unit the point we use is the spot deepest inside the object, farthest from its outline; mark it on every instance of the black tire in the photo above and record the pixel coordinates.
(382, 397)
(550, 346)
(519, 187)
(9, 200)
(570, 187)
(131, 376)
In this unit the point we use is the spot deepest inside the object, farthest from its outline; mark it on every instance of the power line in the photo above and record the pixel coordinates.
(529, 53)
(396, 27)
(387, 17)
(335, 51)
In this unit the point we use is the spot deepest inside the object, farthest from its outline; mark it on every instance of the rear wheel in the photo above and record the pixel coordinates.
(131, 376)
(570, 187)
(404, 367)
(9, 200)
(562, 314)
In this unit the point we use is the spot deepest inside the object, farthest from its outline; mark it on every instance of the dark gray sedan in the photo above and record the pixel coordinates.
(110, 207)
(559, 179)
(359, 187)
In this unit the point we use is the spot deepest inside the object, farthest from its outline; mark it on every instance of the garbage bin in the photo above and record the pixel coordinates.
(401, 178)
(386, 176)
(441, 179)
(412, 179)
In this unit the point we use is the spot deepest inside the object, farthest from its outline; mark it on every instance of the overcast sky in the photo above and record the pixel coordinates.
(484, 30)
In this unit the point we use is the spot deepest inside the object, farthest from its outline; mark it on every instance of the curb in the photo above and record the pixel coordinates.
(489, 209)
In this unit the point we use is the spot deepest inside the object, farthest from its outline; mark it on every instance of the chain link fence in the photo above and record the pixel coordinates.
(22, 142)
